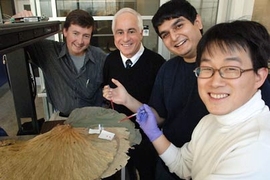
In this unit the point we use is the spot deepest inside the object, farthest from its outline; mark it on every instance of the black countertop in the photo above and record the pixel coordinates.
(17, 35)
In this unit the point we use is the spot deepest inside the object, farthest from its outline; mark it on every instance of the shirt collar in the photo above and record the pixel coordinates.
(251, 108)
(63, 51)
(134, 58)
(88, 53)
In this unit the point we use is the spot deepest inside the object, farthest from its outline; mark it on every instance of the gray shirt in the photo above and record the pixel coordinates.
(66, 88)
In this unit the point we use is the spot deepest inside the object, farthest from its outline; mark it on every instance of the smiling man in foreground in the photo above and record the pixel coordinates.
(233, 141)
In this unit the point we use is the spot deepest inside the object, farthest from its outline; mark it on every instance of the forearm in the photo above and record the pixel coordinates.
(159, 119)
(161, 144)
(148, 123)
(132, 104)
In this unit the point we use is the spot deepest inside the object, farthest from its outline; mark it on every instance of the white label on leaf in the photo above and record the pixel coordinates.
(106, 135)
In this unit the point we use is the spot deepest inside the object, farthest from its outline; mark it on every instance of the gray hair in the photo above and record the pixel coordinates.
(131, 11)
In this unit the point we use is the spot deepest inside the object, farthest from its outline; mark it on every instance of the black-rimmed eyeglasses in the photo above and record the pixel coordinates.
(226, 72)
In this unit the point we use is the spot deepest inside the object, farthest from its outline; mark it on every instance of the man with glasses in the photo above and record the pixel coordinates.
(233, 141)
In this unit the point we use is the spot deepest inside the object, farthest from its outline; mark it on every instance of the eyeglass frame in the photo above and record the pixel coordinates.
(214, 71)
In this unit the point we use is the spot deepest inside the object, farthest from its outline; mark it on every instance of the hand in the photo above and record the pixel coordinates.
(118, 95)
(148, 123)
(106, 92)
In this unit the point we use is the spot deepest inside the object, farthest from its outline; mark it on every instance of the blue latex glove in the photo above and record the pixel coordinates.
(147, 121)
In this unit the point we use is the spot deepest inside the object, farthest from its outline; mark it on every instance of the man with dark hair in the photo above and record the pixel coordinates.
(175, 95)
(73, 70)
(233, 141)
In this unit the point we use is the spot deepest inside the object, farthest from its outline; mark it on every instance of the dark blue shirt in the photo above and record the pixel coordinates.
(175, 97)
(266, 92)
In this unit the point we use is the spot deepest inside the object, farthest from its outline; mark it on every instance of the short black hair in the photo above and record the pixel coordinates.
(174, 9)
(251, 36)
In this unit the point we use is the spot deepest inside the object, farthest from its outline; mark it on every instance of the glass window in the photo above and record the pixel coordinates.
(46, 8)
(103, 10)
(103, 36)
(208, 11)
(105, 7)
